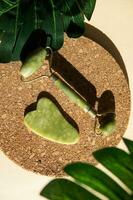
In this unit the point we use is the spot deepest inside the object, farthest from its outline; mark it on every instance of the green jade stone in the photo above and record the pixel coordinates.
(73, 96)
(48, 122)
(33, 62)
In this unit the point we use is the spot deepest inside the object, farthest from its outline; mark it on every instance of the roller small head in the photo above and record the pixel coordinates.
(108, 125)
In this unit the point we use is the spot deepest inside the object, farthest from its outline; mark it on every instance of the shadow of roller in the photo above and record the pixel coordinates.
(99, 37)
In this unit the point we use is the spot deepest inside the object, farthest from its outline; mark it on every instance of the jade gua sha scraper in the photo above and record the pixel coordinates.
(48, 122)
(42, 121)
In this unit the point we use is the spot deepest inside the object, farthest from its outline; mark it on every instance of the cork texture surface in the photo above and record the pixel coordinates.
(95, 75)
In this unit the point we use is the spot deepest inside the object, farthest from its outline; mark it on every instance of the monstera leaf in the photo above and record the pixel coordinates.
(18, 23)
(20, 18)
(7, 5)
(86, 176)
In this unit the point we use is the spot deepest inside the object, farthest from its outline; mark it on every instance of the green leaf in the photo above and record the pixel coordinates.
(6, 5)
(96, 179)
(87, 7)
(53, 23)
(118, 162)
(7, 35)
(62, 6)
(73, 18)
(20, 18)
(63, 189)
(73, 24)
(39, 20)
(22, 22)
(25, 25)
(73, 15)
(129, 145)
(76, 28)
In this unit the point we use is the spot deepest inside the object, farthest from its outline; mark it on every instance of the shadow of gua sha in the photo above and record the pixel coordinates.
(99, 37)
(44, 94)
(64, 68)
(106, 104)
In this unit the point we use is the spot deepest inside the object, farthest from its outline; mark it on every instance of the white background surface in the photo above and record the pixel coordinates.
(115, 19)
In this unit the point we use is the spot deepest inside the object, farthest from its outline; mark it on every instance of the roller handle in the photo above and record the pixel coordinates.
(73, 96)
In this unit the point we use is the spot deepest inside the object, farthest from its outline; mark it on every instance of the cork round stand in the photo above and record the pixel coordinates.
(94, 73)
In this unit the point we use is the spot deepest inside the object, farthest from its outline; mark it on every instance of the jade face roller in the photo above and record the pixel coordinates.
(36, 61)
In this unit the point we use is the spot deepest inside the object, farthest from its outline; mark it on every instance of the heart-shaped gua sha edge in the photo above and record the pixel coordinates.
(48, 122)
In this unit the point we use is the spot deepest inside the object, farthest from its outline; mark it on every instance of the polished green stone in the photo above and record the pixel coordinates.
(33, 62)
(48, 122)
